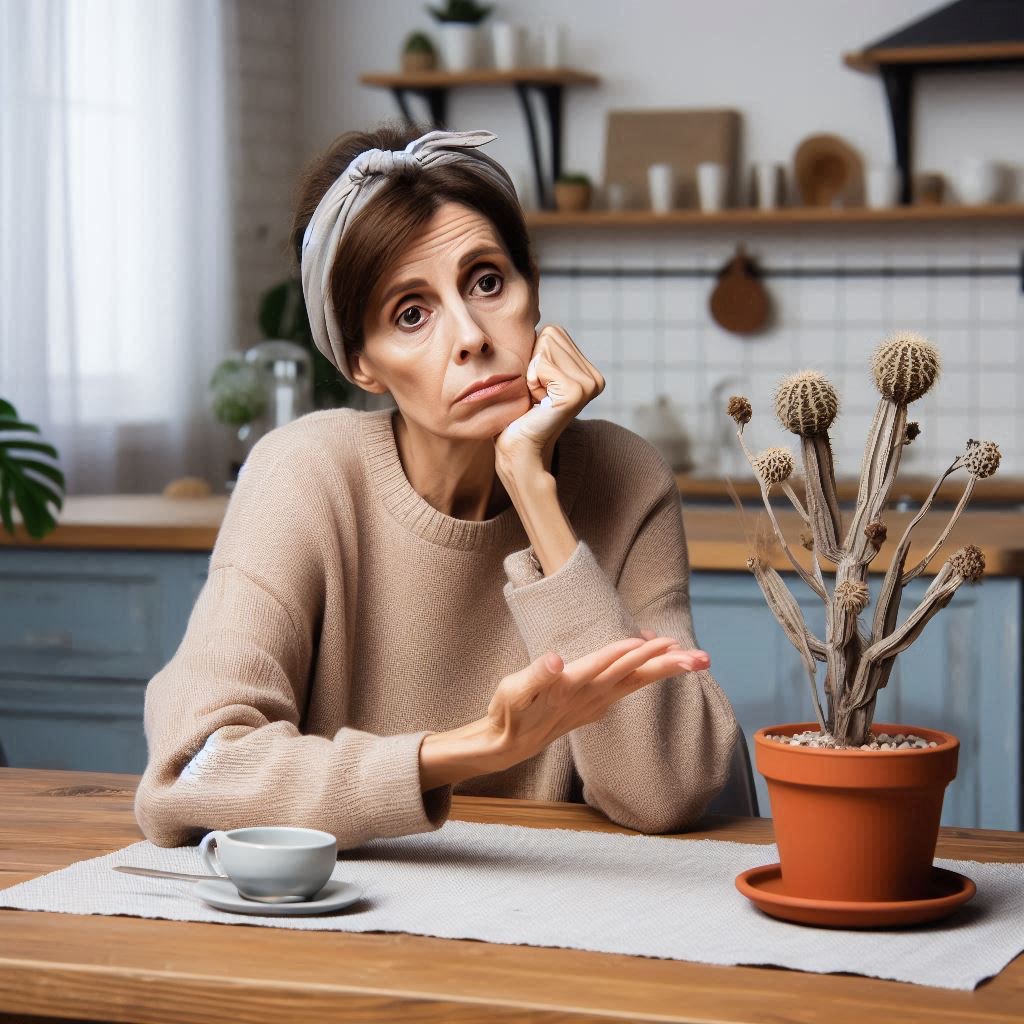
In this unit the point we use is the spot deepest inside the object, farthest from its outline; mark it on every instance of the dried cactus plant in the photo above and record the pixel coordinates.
(858, 661)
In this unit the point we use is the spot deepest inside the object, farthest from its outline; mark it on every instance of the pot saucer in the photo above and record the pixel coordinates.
(763, 887)
(224, 896)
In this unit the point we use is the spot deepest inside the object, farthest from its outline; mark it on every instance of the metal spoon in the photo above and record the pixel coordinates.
(184, 875)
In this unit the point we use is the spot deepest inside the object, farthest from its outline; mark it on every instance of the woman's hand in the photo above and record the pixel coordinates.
(548, 699)
(561, 381)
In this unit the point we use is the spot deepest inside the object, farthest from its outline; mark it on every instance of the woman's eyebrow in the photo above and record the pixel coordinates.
(468, 257)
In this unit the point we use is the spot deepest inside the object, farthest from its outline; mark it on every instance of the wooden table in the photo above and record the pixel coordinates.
(133, 969)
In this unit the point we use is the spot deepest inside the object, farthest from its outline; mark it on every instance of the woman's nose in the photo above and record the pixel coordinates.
(470, 335)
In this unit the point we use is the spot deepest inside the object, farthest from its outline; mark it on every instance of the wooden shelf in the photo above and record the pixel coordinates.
(479, 76)
(964, 53)
(769, 218)
(549, 83)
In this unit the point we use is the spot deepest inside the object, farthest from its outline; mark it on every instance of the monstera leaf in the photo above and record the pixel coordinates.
(25, 479)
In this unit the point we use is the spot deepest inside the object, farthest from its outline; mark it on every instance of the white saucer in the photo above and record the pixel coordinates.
(224, 896)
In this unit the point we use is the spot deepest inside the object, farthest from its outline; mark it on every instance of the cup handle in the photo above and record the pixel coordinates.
(210, 859)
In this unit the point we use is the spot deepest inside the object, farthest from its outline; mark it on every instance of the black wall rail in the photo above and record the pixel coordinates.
(836, 272)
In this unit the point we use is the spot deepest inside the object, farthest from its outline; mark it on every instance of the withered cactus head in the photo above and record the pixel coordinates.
(905, 366)
(852, 595)
(858, 661)
(968, 563)
(739, 409)
(806, 403)
(774, 465)
(981, 458)
(876, 534)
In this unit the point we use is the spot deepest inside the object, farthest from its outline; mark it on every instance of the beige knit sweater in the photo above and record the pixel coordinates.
(344, 617)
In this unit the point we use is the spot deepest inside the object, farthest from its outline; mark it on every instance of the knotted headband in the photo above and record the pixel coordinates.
(356, 185)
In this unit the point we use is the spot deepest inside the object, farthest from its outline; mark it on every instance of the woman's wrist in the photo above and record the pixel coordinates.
(447, 758)
(535, 497)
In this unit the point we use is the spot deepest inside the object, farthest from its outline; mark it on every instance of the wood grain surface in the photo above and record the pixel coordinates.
(132, 969)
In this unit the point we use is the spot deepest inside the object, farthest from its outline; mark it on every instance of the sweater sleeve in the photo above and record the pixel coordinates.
(658, 756)
(223, 718)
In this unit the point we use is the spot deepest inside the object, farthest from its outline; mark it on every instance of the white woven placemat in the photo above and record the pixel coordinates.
(611, 893)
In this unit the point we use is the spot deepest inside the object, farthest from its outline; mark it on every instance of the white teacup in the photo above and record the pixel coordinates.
(271, 860)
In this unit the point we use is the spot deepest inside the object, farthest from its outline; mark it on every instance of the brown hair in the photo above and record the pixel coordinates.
(380, 232)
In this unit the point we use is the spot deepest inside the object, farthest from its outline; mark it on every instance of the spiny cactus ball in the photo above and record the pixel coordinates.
(981, 458)
(968, 562)
(905, 367)
(740, 410)
(911, 432)
(852, 595)
(806, 403)
(774, 465)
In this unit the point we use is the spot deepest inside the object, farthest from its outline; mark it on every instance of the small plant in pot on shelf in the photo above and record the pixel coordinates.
(460, 42)
(857, 809)
(418, 54)
(572, 192)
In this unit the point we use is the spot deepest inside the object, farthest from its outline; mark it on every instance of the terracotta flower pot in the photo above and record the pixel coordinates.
(572, 196)
(856, 824)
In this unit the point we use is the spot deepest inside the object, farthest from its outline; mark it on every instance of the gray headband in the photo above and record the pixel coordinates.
(363, 177)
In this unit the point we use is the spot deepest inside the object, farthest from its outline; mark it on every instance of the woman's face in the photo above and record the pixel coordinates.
(453, 312)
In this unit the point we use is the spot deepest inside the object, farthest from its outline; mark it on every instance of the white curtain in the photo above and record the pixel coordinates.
(116, 284)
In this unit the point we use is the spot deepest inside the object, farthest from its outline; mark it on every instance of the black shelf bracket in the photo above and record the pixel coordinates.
(436, 99)
(552, 96)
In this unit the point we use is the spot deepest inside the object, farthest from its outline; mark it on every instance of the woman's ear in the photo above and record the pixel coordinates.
(363, 378)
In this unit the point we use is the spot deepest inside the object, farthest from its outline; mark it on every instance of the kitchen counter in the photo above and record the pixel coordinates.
(714, 532)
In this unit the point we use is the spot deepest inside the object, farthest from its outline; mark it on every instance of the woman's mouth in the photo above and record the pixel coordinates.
(482, 394)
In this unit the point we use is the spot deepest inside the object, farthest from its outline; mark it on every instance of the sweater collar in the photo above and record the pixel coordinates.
(414, 512)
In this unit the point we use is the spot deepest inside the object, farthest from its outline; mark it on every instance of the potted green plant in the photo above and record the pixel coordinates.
(418, 53)
(238, 398)
(572, 192)
(857, 809)
(29, 476)
(460, 20)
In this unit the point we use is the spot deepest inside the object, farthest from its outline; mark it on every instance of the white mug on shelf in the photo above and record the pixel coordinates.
(881, 186)
(617, 195)
(977, 182)
(662, 185)
(711, 186)
(552, 38)
(767, 177)
(505, 45)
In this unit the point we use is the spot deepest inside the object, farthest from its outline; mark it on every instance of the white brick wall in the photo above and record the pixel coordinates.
(266, 148)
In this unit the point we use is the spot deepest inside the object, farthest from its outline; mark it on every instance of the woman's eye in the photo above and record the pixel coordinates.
(490, 284)
(411, 317)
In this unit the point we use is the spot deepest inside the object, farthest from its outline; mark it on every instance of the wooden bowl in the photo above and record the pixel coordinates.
(825, 168)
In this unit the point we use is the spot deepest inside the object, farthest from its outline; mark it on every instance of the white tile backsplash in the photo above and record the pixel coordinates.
(668, 343)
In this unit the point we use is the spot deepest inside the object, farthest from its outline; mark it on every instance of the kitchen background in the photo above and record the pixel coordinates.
(149, 156)
(780, 65)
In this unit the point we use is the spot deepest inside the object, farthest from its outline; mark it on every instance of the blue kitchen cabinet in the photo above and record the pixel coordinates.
(81, 633)
(963, 675)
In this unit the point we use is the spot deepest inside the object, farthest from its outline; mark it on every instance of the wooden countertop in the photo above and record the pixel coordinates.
(133, 968)
(715, 534)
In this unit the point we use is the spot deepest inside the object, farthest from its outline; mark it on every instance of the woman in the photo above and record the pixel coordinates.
(475, 591)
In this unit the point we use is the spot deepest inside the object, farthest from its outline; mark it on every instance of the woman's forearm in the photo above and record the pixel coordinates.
(447, 758)
(534, 494)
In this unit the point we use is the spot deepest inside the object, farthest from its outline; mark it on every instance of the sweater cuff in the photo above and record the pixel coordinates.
(573, 611)
(390, 770)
